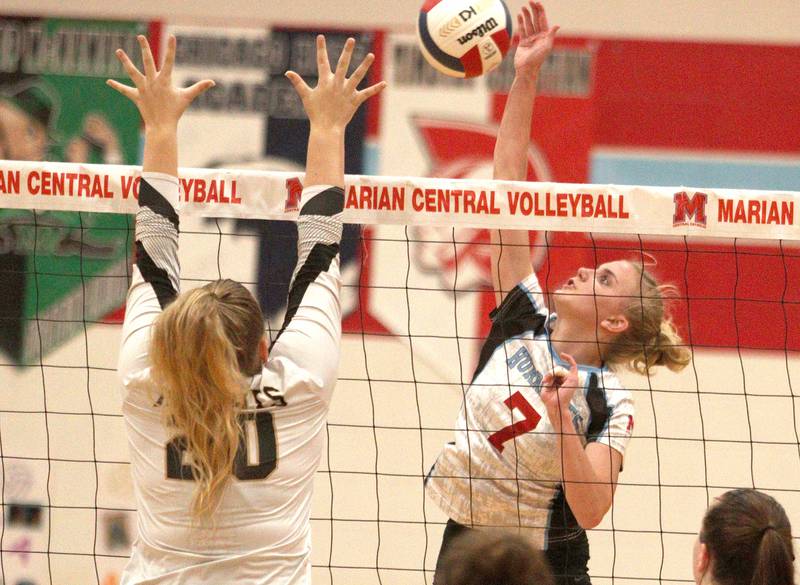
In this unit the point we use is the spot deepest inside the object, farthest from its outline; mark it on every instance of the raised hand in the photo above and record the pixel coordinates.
(558, 388)
(332, 103)
(535, 39)
(159, 103)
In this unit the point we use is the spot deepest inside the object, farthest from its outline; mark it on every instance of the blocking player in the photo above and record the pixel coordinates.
(225, 435)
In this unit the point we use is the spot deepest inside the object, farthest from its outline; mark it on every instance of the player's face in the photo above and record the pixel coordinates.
(598, 293)
(25, 137)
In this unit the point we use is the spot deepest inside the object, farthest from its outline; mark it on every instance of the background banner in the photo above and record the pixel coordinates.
(54, 105)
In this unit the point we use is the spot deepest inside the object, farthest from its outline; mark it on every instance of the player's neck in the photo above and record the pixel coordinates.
(573, 339)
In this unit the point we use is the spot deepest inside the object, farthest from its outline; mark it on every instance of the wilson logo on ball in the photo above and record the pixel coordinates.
(464, 39)
(478, 31)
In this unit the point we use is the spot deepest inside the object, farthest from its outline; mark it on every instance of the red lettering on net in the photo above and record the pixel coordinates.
(690, 210)
(294, 192)
(530, 422)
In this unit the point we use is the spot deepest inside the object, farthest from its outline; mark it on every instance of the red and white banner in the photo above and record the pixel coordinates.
(420, 201)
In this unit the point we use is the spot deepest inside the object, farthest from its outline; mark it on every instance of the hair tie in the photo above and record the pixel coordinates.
(648, 259)
(766, 528)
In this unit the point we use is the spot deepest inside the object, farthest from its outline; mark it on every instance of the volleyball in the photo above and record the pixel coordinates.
(463, 38)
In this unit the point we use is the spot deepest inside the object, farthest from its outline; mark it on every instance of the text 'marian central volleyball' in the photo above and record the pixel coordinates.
(463, 38)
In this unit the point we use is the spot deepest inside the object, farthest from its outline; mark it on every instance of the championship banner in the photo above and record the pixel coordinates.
(260, 195)
(54, 105)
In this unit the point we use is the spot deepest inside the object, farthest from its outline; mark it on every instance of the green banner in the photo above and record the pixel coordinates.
(61, 270)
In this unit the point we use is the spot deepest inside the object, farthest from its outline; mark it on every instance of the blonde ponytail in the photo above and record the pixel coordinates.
(202, 347)
(669, 349)
(651, 338)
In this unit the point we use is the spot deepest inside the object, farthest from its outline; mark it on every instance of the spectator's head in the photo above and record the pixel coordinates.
(745, 539)
(28, 112)
(494, 558)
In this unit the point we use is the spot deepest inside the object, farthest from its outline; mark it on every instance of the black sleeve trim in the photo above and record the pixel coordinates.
(328, 202)
(598, 409)
(515, 315)
(155, 276)
(150, 197)
(318, 261)
(563, 524)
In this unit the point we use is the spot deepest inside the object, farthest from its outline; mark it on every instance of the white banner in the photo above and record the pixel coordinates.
(419, 201)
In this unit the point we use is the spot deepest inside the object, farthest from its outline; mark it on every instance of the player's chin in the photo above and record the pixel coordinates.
(565, 291)
(571, 301)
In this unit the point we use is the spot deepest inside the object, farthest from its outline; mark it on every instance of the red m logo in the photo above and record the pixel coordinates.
(294, 191)
(690, 210)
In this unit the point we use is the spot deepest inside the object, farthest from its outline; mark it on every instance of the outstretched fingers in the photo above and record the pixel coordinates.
(527, 22)
(191, 92)
(540, 16)
(365, 94)
(129, 92)
(135, 75)
(300, 86)
(169, 57)
(147, 57)
(344, 59)
(323, 65)
(361, 71)
(541, 20)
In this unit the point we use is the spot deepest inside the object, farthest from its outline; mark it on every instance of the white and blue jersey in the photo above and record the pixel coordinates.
(261, 530)
(504, 468)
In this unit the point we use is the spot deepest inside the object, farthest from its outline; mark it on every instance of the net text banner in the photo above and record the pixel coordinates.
(419, 201)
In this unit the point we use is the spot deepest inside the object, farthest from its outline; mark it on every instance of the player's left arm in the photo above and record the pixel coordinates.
(589, 476)
(311, 332)
(590, 472)
(156, 272)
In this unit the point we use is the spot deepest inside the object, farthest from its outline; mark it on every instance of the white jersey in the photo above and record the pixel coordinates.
(261, 531)
(504, 468)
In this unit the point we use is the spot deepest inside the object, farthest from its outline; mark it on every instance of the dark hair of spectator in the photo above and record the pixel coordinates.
(749, 540)
(494, 558)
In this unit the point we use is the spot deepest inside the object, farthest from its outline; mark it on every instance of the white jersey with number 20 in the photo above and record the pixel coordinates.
(261, 530)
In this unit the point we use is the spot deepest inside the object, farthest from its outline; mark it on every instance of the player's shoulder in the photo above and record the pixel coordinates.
(609, 379)
(610, 382)
(283, 382)
(618, 397)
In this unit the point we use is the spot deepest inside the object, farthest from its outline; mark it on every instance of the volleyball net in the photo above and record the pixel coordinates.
(416, 297)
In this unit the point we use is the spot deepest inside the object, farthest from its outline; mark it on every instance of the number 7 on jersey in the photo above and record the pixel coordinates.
(531, 420)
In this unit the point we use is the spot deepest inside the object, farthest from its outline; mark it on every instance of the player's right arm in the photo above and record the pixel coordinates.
(510, 249)
(311, 330)
(156, 272)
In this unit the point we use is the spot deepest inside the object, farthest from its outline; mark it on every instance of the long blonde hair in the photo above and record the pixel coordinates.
(202, 347)
(651, 338)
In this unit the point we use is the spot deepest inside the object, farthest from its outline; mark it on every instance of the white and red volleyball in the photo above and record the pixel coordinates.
(464, 38)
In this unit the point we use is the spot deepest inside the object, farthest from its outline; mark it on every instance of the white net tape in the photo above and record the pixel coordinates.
(421, 201)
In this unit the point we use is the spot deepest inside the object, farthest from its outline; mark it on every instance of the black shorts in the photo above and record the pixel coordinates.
(568, 560)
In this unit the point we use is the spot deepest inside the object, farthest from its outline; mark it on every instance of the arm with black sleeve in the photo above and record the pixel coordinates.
(311, 331)
(156, 272)
(312, 328)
